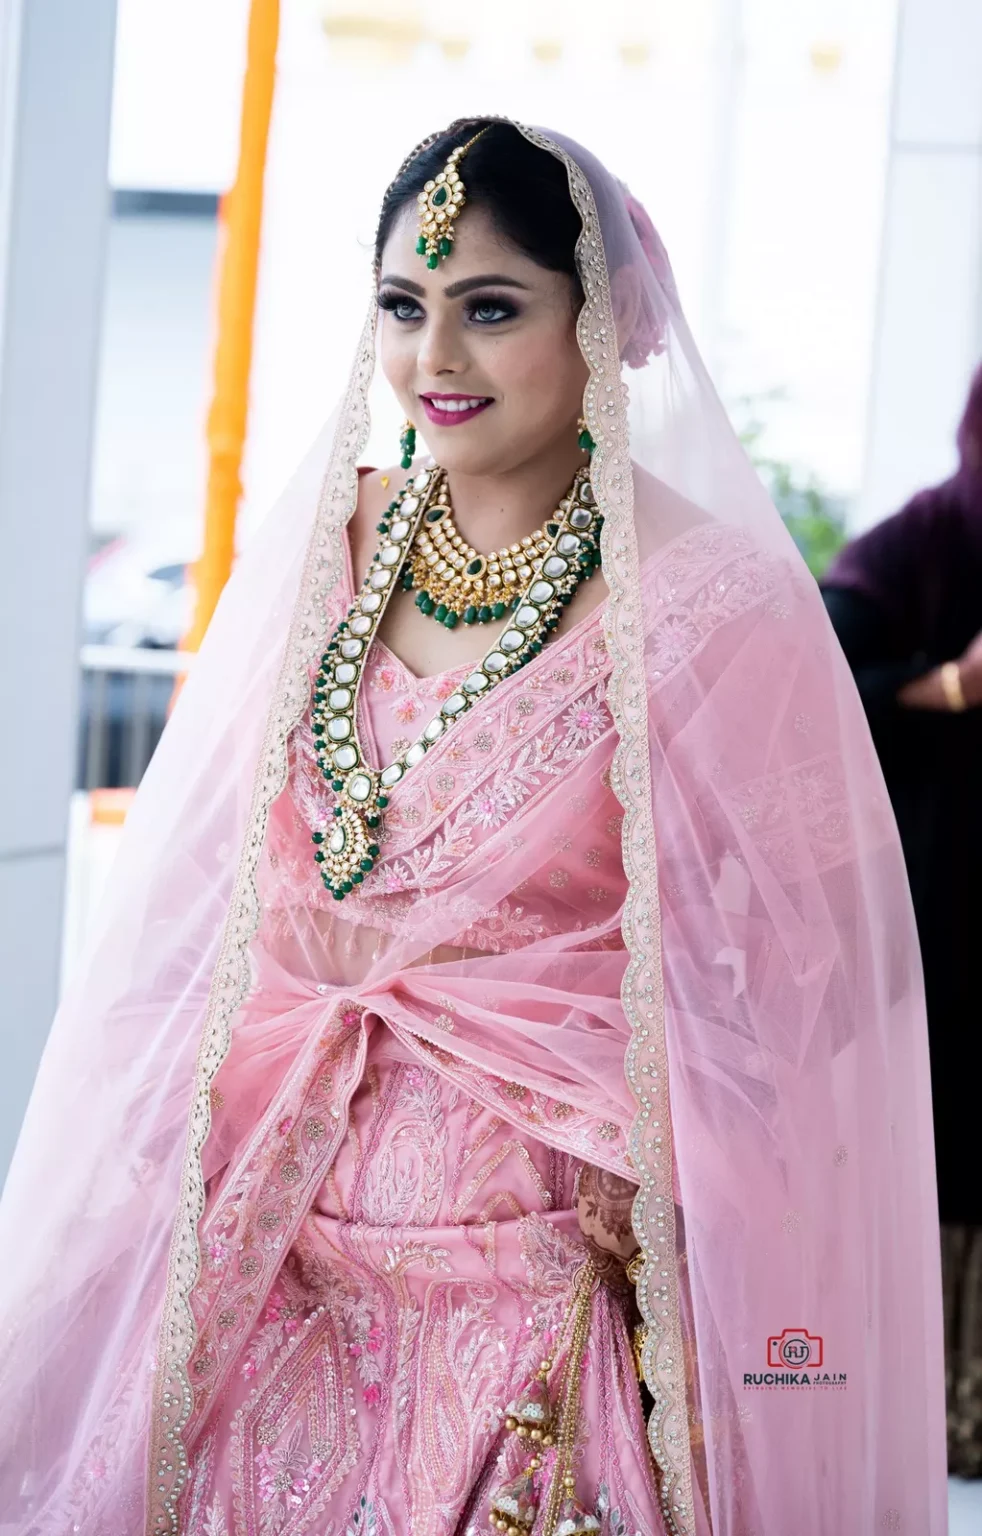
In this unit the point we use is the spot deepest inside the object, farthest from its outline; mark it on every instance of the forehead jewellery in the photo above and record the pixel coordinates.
(440, 203)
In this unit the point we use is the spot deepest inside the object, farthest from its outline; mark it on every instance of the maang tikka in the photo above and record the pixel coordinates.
(440, 203)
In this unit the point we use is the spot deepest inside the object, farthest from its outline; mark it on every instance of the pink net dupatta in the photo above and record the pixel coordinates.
(724, 1002)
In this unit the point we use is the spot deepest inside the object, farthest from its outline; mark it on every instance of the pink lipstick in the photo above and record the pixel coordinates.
(452, 410)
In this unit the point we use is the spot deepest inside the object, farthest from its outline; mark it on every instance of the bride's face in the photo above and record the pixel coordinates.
(482, 352)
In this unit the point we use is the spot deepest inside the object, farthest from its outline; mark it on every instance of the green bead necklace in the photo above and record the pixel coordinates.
(346, 851)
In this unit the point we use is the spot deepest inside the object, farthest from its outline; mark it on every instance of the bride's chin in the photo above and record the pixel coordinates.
(468, 458)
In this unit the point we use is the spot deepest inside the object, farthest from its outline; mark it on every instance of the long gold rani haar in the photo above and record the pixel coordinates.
(439, 204)
(347, 848)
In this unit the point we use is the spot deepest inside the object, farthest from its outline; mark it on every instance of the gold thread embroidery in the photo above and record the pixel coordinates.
(464, 1199)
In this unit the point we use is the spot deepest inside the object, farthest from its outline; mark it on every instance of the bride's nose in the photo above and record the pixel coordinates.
(441, 347)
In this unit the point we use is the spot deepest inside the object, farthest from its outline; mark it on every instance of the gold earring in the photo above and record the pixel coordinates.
(407, 442)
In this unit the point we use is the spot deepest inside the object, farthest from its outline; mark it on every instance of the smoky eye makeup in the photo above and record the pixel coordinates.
(480, 309)
(490, 309)
(401, 305)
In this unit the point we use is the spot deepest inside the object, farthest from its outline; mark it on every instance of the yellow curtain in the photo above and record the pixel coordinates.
(237, 274)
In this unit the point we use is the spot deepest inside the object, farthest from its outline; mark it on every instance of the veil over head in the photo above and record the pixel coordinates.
(732, 1015)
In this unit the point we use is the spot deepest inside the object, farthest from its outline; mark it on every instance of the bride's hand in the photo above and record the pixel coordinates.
(603, 1207)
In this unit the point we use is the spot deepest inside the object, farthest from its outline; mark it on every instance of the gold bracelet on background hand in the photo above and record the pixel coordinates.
(951, 682)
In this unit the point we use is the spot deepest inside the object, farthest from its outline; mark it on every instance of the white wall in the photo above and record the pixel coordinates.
(176, 92)
(150, 459)
(929, 325)
(56, 58)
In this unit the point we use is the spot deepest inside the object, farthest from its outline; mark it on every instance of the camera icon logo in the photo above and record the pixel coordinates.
(794, 1349)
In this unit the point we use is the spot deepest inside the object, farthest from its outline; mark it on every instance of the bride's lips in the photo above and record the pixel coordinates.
(453, 410)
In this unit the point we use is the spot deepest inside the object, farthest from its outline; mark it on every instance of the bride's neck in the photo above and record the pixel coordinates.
(494, 510)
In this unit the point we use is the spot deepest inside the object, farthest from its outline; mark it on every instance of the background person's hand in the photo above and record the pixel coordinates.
(970, 671)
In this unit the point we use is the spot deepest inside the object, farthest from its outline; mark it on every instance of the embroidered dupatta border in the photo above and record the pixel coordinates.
(642, 992)
(167, 1464)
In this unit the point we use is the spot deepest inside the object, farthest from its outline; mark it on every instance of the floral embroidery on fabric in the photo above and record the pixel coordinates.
(414, 696)
(254, 1215)
(361, 1399)
(810, 794)
(600, 1141)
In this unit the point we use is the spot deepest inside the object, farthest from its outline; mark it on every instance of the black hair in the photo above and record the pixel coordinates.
(524, 189)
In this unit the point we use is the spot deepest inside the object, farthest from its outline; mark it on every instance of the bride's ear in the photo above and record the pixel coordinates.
(625, 299)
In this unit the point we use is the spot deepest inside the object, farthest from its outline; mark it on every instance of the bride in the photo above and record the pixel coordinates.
(509, 975)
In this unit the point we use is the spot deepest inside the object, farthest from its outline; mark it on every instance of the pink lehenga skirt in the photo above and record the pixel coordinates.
(431, 1276)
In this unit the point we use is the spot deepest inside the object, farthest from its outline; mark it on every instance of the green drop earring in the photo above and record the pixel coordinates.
(584, 440)
(407, 442)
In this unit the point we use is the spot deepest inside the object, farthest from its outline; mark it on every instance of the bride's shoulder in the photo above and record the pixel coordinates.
(376, 488)
(663, 513)
(674, 531)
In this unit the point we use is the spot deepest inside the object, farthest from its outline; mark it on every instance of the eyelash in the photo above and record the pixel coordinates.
(393, 302)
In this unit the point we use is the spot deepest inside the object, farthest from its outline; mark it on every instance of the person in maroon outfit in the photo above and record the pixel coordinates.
(906, 603)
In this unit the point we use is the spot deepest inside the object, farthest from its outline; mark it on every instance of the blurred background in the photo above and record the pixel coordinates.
(814, 168)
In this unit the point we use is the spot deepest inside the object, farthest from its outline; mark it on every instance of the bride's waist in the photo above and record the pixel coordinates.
(525, 1250)
(418, 1151)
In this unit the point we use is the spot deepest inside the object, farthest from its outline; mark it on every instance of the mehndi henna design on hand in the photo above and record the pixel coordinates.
(604, 1202)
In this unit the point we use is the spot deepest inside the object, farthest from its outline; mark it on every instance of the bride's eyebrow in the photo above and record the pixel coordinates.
(394, 281)
(453, 290)
(488, 280)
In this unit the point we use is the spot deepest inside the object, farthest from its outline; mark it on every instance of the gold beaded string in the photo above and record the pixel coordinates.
(563, 1478)
(575, 1323)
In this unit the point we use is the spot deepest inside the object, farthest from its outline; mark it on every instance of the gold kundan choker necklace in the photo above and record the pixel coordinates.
(453, 581)
(536, 579)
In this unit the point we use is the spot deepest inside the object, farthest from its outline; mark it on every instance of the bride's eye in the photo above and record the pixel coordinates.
(398, 305)
(492, 311)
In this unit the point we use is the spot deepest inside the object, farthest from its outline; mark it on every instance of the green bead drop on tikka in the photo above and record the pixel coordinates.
(421, 246)
(431, 262)
(444, 246)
